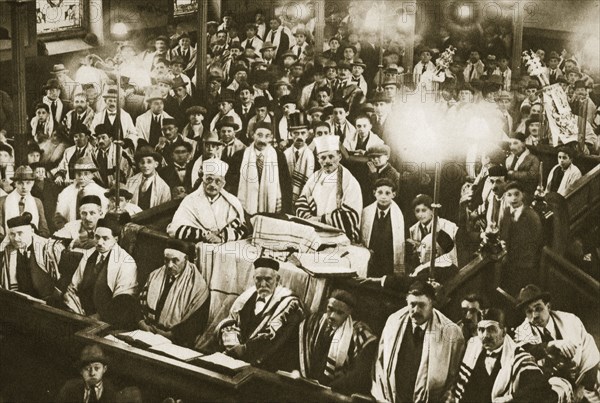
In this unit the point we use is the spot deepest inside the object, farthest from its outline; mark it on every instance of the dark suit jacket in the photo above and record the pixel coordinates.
(523, 238)
(527, 173)
(243, 135)
(177, 110)
(73, 391)
(169, 174)
(353, 97)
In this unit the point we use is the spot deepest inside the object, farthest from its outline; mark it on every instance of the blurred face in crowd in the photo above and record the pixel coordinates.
(250, 32)
(176, 69)
(40, 173)
(564, 160)
(339, 115)
(337, 313)
(181, 155)
(534, 132)
(53, 93)
(322, 131)
(382, 108)
(265, 280)
(384, 196)
(20, 237)
(516, 146)
(147, 166)
(300, 39)
(185, 43)
(212, 150)
(503, 63)
(300, 136)
(363, 127)
(330, 160)
(349, 54)
(262, 112)
(424, 214)
(259, 18)
(498, 185)
(553, 63)
(334, 45)
(175, 261)
(161, 69)
(316, 116)
(90, 214)
(541, 54)
(92, 373)
(164, 89)
(465, 96)
(103, 141)
(538, 312)
(112, 203)
(111, 104)
(127, 53)
(180, 92)
(474, 57)
(33, 157)
(170, 131)
(246, 97)
(81, 140)
(297, 70)
(23, 188)
(330, 73)
(390, 91)
(225, 107)
(160, 46)
(5, 158)
(262, 138)
(42, 115)
(157, 106)
(470, 310)
(105, 240)
(274, 24)
(196, 118)
(80, 103)
(235, 52)
(226, 134)
(536, 109)
(213, 86)
(420, 308)
(491, 334)
(581, 93)
(268, 53)
(344, 74)
(425, 57)
(288, 61)
(357, 71)
(514, 197)
(323, 98)
(83, 178)
(379, 160)
(212, 184)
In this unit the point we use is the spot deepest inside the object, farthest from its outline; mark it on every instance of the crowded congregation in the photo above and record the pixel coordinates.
(314, 201)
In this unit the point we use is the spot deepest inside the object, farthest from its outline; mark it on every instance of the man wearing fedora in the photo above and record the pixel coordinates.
(268, 54)
(68, 86)
(300, 159)
(494, 367)
(91, 387)
(105, 158)
(183, 101)
(358, 68)
(29, 262)
(187, 53)
(20, 200)
(52, 98)
(170, 137)
(225, 106)
(547, 332)
(252, 41)
(212, 148)
(68, 203)
(149, 124)
(195, 128)
(301, 49)
(108, 117)
(147, 187)
(81, 116)
(63, 173)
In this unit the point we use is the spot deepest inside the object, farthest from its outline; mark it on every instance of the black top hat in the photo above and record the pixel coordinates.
(297, 120)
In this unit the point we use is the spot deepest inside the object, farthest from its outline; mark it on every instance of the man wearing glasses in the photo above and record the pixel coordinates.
(210, 214)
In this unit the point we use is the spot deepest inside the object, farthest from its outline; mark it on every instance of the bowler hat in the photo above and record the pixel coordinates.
(58, 68)
(261, 101)
(227, 96)
(195, 110)
(23, 173)
(267, 45)
(85, 164)
(227, 121)
(122, 192)
(530, 293)
(178, 82)
(345, 297)
(147, 151)
(359, 62)
(53, 83)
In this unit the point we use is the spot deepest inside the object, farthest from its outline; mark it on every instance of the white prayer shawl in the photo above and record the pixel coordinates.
(178, 51)
(143, 122)
(121, 275)
(233, 114)
(161, 193)
(351, 142)
(59, 107)
(571, 329)
(111, 162)
(512, 359)
(87, 121)
(348, 129)
(187, 294)
(397, 218)
(572, 174)
(511, 157)
(442, 350)
(300, 169)
(63, 165)
(48, 127)
(263, 197)
(129, 129)
(196, 210)
(71, 230)
(46, 254)
(11, 208)
(443, 225)
(66, 206)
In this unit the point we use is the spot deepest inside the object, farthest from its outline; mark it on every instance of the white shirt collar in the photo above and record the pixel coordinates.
(550, 326)
(516, 212)
(422, 326)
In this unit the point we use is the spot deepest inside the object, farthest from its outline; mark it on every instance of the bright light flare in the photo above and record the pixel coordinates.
(120, 29)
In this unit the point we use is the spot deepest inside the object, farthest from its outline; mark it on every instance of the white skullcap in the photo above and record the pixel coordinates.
(327, 143)
(215, 166)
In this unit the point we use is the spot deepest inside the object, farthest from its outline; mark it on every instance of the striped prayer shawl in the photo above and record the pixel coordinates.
(344, 214)
(299, 169)
(514, 362)
(348, 341)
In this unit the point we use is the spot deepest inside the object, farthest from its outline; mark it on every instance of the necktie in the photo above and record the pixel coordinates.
(424, 69)
(93, 398)
(513, 215)
(248, 43)
(54, 110)
(424, 230)
(78, 202)
(513, 164)
(299, 52)
(163, 296)
(296, 155)
(381, 215)
(546, 336)
(22, 205)
(418, 334)
(472, 75)
(338, 131)
(99, 263)
(103, 166)
(145, 184)
(230, 150)
(260, 164)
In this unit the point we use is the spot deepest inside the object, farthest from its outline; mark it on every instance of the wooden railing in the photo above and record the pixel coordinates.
(583, 201)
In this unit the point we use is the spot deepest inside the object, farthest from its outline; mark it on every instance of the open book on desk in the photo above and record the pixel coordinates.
(222, 361)
(158, 344)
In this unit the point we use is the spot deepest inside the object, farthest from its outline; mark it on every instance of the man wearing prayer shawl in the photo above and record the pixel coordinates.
(264, 185)
(262, 326)
(104, 285)
(495, 369)
(80, 234)
(210, 213)
(545, 330)
(175, 299)
(337, 350)
(332, 195)
(300, 159)
(419, 352)
(29, 262)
